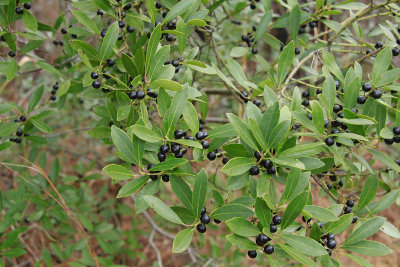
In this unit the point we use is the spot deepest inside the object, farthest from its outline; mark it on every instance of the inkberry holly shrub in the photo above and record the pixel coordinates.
(261, 127)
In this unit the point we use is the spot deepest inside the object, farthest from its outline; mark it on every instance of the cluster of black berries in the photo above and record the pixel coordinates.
(312, 24)
(265, 163)
(205, 219)
(140, 94)
(308, 220)
(348, 208)
(337, 184)
(276, 220)
(95, 76)
(19, 133)
(54, 92)
(396, 138)
(249, 40)
(169, 37)
(262, 240)
(245, 97)
(379, 45)
(174, 63)
(64, 31)
(60, 43)
(159, 6)
(120, 36)
(154, 176)
(367, 87)
(329, 241)
(19, 10)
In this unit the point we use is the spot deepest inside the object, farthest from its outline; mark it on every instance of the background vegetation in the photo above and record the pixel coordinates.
(279, 118)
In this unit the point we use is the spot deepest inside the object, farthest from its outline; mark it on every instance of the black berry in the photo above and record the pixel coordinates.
(205, 218)
(273, 228)
(140, 94)
(329, 141)
(277, 219)
(161, 157)
(269, 249)
(165, 178)
(396, 130)
(361, 99)
(132, 95)
(350, 203)
(27, 6)
(376, 94)
(96, 84)
(252, 254)
(347, 210)
(201, 228)
(211, 155)
(94, 75)
(331, 243)
(110, 62)
(203, 211)
(262, 239)
(19, 11)
(254, 170)
(205, 144)
(378, 45)
(366, 87)
(175, 63)
(178, 134)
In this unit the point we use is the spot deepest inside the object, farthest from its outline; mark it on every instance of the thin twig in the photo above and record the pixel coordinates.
(159, 259)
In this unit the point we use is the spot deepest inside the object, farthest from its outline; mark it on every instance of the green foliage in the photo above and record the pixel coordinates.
(303, 108)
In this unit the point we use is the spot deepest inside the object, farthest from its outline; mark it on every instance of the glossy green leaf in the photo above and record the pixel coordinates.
(109, 41)
(123, 144)
(132, 186)
(182, 240)
(241, 242)
(369, 248)
(294, 209)
(320, 213)
(117, 172)
(230, 211)
(285, 62)
(242, 227)
(199, 192)
(42, 126)
(162, 209)
(237, 166)
(263, 212)
(306, 245)
(182, 191)
(368, 191)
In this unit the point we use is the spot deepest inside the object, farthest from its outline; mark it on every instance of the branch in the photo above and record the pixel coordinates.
(325, 189)
(290, 76)
(358, 15)
(159, 259)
